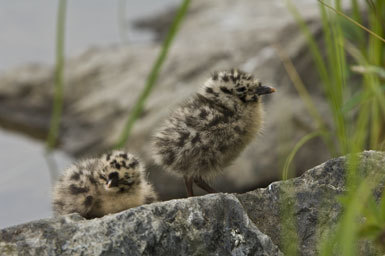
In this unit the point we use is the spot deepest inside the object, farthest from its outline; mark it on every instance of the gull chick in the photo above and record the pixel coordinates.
(209, 130)
(99, 186)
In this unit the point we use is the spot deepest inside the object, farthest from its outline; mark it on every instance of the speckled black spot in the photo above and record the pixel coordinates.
(133, 164)
(123, 155)
(215, 76)
(92, 180)
(209, 90)
(182, 139)
(161, 142)
(216, 120)
(201, 100)
(203, 114)
(223, 148)
(227, 113)
(225, 78)
(225, 90)
(88, 201)
(75, 190)
(124, 164)
(168, 157)
(190, 121)
(241, 89)
(117, 166)
(58, 204)
(204, 163)
(75, 176)
(108, 157)
(237, 129)
(195, 139)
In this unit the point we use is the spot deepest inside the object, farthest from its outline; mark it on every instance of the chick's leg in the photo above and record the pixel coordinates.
(189, 186)
(203, 185)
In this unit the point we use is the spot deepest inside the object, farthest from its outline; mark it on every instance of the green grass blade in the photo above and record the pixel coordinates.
(353, 21)
(57, 109)
(371, 80)
(58, 80)
(298, 145)
(382, 208)
(289, 232)
(375, 129)
(152, 78)
(305, 95)
(349, 226)
(371, 69)
(299, 85)
(356, 11)
(314, 49)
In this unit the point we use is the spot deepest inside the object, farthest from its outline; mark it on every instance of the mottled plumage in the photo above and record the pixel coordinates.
(210, 129)
(100, 186)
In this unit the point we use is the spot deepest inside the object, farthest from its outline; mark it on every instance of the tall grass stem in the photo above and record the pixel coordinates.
(353, 21)
(53, 132)
(153, 76)
(58, 79)
(298, 145)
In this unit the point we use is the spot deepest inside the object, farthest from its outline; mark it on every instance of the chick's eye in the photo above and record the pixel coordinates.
(113, 175)
(102, 177)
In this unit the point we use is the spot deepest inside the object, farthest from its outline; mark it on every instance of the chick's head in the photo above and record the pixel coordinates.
(122, 171)
(235, 84)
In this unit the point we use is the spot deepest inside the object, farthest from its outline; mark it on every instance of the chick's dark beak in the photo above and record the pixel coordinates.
(264, 90)
(112, 180)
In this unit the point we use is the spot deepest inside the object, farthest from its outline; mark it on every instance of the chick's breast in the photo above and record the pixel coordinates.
(199, 139)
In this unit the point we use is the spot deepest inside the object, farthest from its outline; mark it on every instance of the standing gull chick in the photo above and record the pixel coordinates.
(208, 131)
(100, 186)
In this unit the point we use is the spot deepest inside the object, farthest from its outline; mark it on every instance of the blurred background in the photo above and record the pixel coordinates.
(324, 92)
(28, 37)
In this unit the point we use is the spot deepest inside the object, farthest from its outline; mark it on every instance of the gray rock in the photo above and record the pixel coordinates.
(216, 224)
(208, 225)
(313, 199)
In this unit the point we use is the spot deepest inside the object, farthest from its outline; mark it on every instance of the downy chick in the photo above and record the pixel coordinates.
(100, 186)
(207, 132)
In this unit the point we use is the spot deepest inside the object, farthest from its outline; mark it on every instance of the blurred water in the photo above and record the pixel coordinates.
(28, 27)
(28, 35)
(25, 183)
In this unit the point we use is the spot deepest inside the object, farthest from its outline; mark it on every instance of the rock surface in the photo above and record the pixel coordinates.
(216, 224)
(102, 85)
(209, 225)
